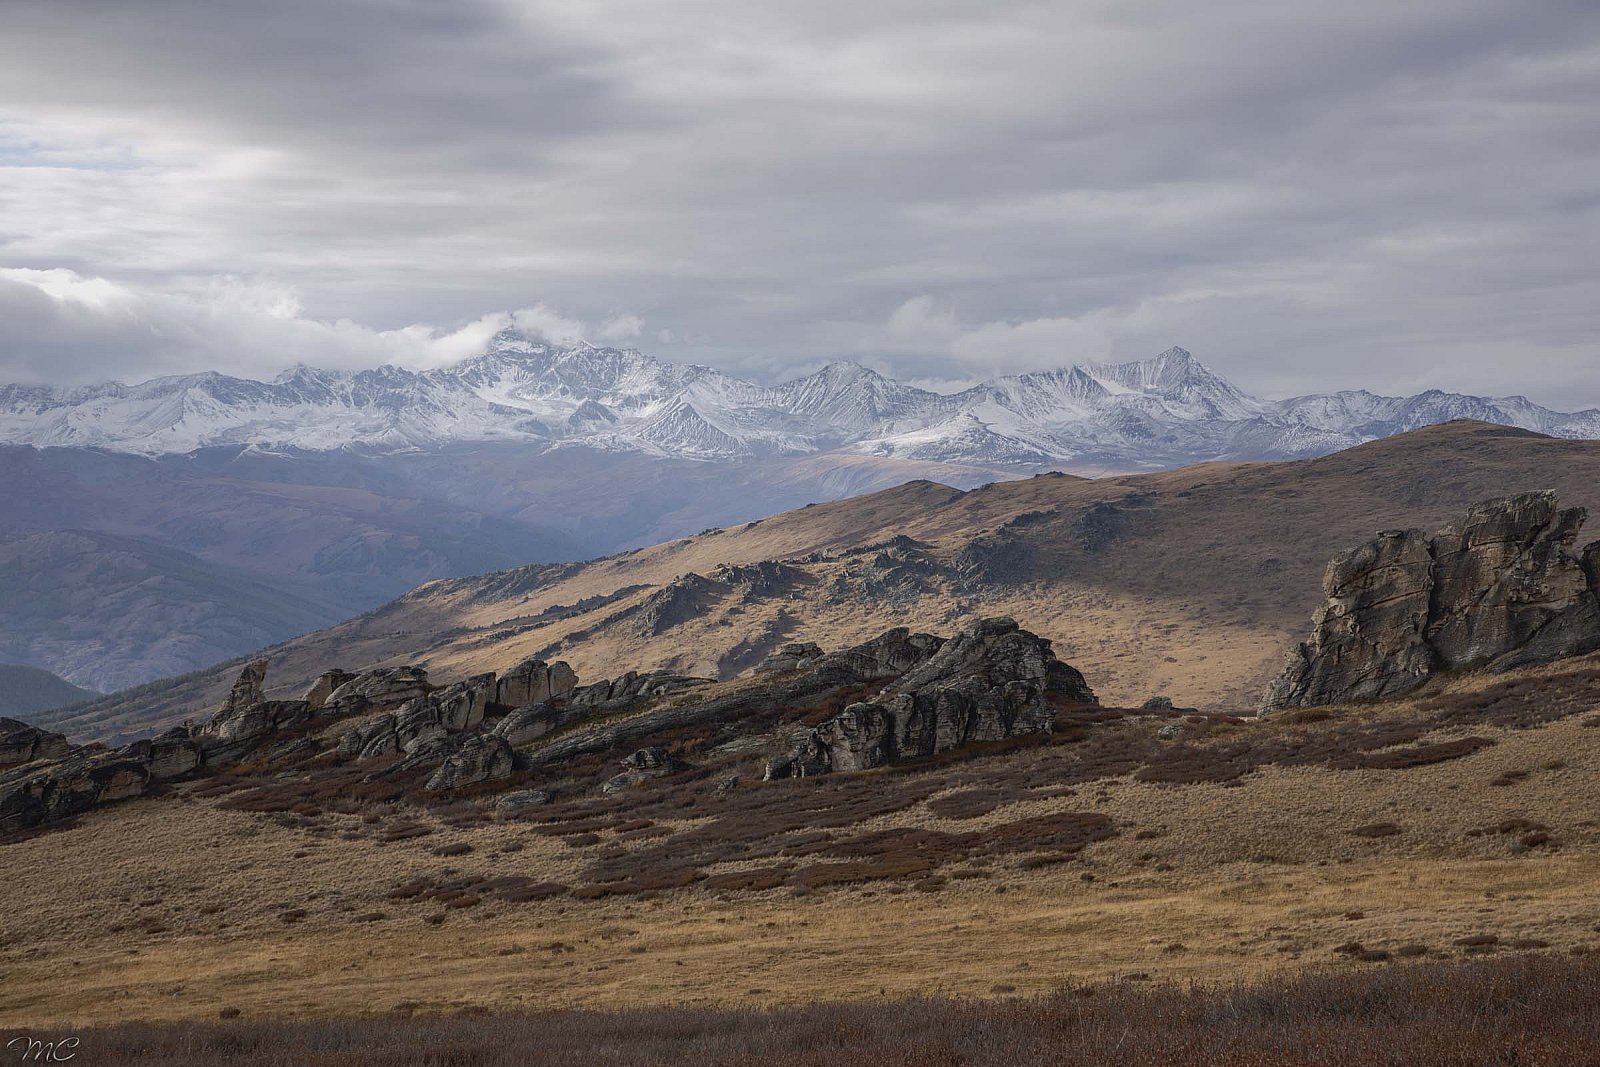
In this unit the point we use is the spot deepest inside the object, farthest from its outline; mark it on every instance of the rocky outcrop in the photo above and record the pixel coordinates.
(634, 687)
(533, 681)
(463, 704)
(642, 766)
(38, 793)
(325, 685)
(991, 682)
(383, 689)
(21, 743)
(679, 601)
(248, 689)
(795, 656)
(759, 581)
(246, 718)
(530, 722)
(172, 754)
(1002, 558)
(1501, 588)
(481, 758)
(519, 804)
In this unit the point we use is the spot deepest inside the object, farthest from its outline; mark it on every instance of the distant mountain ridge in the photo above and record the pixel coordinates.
(1159, 412)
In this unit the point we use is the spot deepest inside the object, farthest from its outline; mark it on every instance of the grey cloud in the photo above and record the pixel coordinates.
(1306, 195)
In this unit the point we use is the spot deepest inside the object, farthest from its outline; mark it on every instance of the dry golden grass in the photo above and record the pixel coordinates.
(172, 907)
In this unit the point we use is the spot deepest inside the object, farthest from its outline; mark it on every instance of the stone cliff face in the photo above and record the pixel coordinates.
(1501, 588)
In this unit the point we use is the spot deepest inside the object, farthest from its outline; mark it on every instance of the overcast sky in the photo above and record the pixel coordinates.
(1307, 195)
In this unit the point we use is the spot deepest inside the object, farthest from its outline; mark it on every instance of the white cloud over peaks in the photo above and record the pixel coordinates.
(60, 324)
(1000, 346)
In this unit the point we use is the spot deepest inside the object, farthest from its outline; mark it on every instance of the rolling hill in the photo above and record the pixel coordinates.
(1189, 583)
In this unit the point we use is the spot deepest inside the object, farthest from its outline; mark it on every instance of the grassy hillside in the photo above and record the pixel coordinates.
(1190, 582)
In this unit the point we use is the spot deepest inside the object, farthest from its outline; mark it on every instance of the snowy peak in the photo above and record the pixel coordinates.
(1163, 411)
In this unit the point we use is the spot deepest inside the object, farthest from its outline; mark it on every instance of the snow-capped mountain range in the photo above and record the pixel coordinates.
(1151, 413)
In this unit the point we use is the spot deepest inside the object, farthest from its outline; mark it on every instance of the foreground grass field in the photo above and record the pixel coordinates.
(1534, 1011)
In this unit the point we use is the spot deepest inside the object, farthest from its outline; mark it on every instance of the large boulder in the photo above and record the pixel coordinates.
(481, 758)
(1499, 589)
(462, 704)
(532, 721)
(1369, 639)
(21, 743)
(43, 792)
(533, 681)
(172, 754)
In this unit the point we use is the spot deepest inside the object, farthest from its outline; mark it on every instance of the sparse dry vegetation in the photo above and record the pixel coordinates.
(1531, 1011)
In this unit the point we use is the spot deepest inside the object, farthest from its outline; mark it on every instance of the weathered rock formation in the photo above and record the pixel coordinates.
(1501, 588)
(642, 766)
(533, 681)
(795, 656)
(21, 743)
(324, 687)
(991, 682)
(480, 758)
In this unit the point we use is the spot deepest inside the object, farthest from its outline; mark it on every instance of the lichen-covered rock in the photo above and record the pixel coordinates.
(480, 758)
(533, 681)
(1499, 589)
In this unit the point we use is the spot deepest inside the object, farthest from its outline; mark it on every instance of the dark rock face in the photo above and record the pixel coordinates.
(989, 683)
(480, 758)
(1000, 559)
(533, 681)
(21, 743)
(679, 601)
(1499, 589)
(169, 755)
